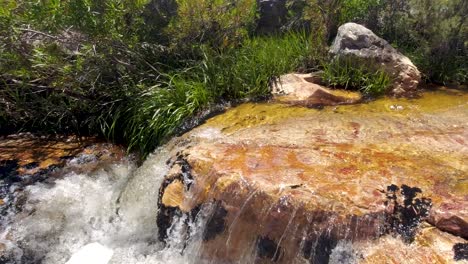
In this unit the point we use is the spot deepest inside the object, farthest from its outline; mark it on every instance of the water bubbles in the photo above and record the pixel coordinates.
(397, 107)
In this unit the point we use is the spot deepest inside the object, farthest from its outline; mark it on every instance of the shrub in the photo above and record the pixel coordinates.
(220, 23)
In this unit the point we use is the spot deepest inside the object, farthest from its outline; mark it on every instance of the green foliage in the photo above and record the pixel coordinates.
(439, 31)
(433, 33)
(221, 23)
(344, 73)
(232, 74)
(114, 19)
(245, 71)
(137, 71)
(360, 11)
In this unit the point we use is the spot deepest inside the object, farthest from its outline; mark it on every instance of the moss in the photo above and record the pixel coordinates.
(255, 114)
(430, 101)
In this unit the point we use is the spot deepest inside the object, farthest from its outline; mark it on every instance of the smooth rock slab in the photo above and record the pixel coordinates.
(289, 184)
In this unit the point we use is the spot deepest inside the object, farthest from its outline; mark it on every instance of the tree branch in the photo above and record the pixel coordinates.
(38, 32)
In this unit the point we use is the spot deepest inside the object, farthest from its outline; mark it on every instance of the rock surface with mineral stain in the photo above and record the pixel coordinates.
(293, 184)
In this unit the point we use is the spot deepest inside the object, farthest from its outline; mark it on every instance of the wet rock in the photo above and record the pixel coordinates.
(319, 250)
(8, 169)
(31, 165)
(36, 155)
(216, 224)
(173, 195)
(360, 45)
(268, 249)
(450, 222)
(405, 218)
(310, 180)
(430, 246)
(300, 89)
(26, 159)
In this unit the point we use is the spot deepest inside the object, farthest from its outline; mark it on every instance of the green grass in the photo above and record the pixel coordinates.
(344, 73)
(235, 74)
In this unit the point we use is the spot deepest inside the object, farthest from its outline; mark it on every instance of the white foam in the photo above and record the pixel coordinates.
(104, 217)
(93, 253)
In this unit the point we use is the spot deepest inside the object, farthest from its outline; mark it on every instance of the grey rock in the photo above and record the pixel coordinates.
(362, 46)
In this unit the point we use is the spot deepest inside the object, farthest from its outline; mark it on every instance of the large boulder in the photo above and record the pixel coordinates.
(282, 184)
(359, 44)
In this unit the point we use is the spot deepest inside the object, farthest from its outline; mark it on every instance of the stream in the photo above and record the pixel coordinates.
(105, 210)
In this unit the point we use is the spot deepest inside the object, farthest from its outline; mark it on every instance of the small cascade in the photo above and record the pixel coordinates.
(262, 183)
(110, 213)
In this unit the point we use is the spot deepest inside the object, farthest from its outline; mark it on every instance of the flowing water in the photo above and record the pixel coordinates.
(109, 216)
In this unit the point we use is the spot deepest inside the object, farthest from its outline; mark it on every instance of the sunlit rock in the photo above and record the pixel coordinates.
(285, 184)
(431, 246)
(300, 89)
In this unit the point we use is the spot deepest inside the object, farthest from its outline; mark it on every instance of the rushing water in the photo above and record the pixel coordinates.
(109, 216)
(89, 217)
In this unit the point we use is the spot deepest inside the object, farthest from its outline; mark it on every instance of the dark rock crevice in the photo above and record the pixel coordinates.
(405, 211)
(216, 223)
(268, 249)
(460, 251)
(318, 251)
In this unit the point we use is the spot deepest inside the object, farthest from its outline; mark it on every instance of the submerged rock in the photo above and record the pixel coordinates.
(360, 45)
(288, 184)
(301, 89)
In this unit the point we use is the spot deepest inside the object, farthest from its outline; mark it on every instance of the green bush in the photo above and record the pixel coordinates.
(84, 67)
(221, 23)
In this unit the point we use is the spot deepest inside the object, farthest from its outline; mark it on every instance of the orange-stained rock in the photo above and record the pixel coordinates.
(174, 194)
(300, 89)
(291, 184)
(26, 159)
(34, 154)
(431, 246)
